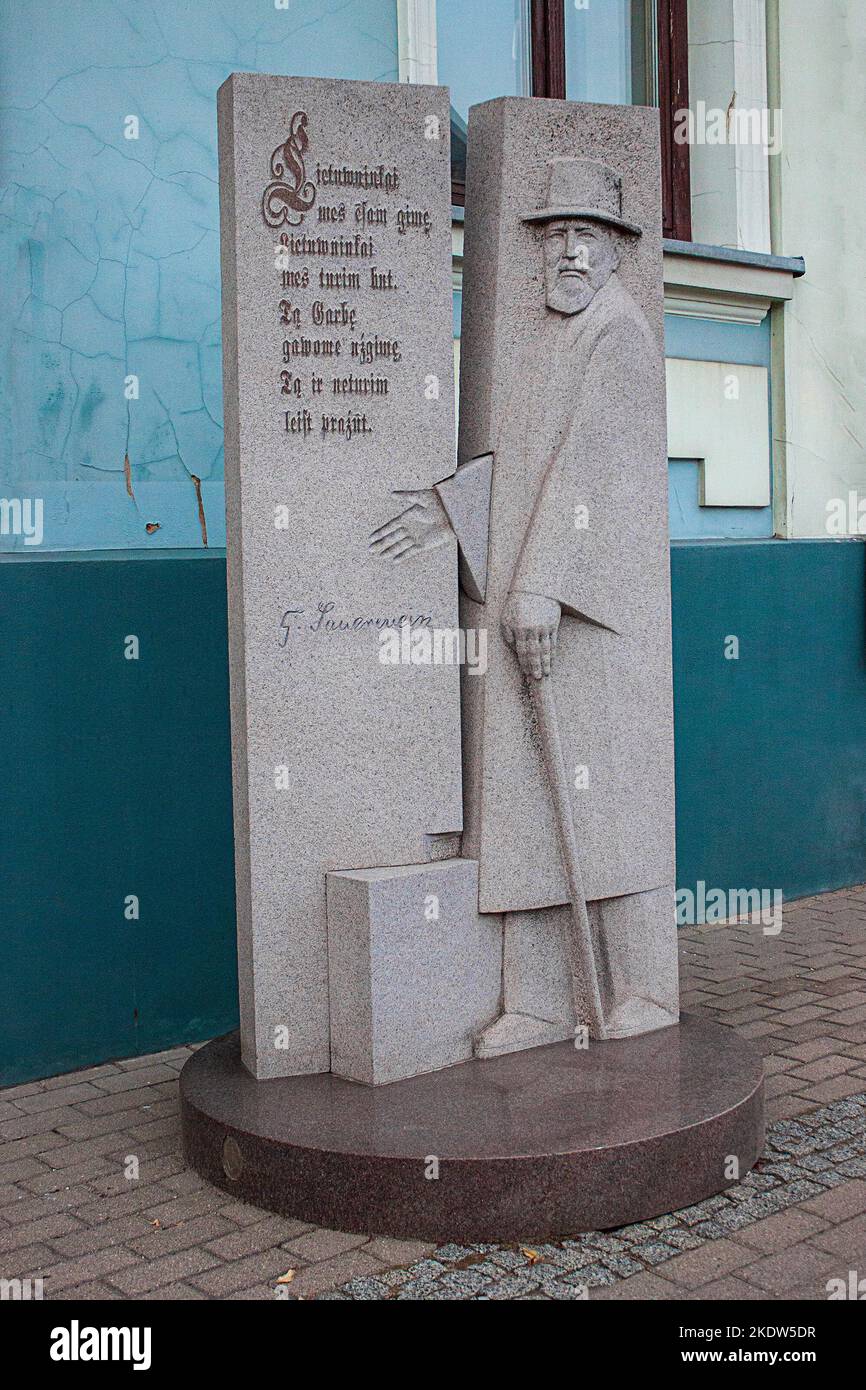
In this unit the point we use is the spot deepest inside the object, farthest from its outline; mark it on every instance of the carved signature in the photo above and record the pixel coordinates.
(323, 622)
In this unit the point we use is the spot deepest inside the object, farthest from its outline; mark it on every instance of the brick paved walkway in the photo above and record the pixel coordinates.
(74, 1212)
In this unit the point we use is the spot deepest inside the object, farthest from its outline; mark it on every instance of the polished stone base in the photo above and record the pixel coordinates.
(533, 1144)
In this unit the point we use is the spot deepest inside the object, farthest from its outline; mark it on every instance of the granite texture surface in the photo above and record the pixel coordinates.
(466, 498)
(535, 1143)
(414, 968)
(563, 383)
(572, 407)
(637, 970)
(338, 372)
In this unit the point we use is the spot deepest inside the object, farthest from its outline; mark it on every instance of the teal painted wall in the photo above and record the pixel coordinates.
(109, 246)
(771, 748)
(114, 780)
(115, 775)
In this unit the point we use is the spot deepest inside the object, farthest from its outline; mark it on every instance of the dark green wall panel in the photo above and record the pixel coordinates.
(771, 748)
(115, 776)
(115, 781)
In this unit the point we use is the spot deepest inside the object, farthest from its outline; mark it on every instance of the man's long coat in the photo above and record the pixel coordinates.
(583, 429)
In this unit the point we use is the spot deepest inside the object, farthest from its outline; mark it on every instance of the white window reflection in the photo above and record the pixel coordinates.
(483, 52)
(610, 51)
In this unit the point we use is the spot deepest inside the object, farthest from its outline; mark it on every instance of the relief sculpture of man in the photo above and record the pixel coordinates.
(562, 526)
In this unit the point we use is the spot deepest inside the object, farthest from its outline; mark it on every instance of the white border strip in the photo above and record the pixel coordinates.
(416, 40)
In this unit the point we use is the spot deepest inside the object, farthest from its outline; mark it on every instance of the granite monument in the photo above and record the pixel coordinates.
(450, 679)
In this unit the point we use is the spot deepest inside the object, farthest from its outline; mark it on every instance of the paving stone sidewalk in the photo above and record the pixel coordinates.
(95, 1198)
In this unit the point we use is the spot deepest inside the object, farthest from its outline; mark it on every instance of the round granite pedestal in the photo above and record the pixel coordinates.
(534, 1144)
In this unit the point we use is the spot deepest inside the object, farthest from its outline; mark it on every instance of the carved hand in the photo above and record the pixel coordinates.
(422, 524)
(530, 624)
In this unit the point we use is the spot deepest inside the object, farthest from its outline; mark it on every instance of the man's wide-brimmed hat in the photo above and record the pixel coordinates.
(583, 188)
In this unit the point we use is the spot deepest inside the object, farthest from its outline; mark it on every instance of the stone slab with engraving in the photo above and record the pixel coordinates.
(336, 272)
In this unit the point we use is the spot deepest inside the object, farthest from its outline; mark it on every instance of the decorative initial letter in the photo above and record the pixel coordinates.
(291, 193)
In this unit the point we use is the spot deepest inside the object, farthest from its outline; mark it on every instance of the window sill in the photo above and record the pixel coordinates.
(725, 284)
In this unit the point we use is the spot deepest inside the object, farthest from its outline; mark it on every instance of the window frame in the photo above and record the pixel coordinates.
(547, 68)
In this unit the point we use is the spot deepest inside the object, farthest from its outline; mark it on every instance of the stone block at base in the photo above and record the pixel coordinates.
(414, 968)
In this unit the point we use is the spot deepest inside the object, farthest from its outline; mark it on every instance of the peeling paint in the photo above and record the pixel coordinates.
(201, 516)
(729, 112)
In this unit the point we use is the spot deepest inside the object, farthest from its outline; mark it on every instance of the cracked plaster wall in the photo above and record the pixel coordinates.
(109, 247)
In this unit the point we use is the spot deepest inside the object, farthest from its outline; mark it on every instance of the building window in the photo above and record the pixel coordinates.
(618, 51)
(483, 52)
(610, 50)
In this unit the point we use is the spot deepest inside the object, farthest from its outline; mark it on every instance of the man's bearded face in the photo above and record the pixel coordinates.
(579, 257)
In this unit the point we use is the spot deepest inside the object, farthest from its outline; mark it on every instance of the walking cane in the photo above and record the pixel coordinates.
(580, 952)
